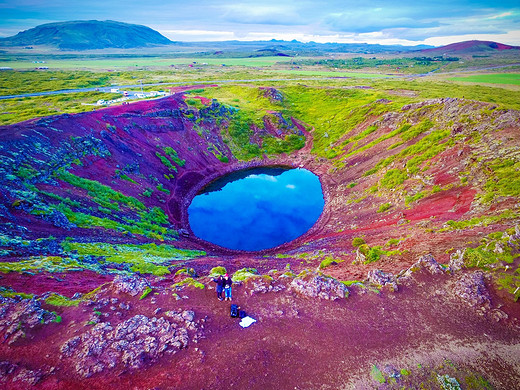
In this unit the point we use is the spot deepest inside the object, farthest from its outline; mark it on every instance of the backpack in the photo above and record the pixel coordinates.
(242, 314)
(234, 310)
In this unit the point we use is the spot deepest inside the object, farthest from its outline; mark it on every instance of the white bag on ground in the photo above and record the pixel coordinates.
(246, 321)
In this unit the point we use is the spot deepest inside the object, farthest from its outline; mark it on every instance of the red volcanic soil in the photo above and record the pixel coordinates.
(300, 342)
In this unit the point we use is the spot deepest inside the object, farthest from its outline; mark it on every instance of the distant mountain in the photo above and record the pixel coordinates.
(88, 35)
(468, 47)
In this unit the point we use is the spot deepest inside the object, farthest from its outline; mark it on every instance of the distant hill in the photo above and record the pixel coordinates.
(469, 47)
(88, 35)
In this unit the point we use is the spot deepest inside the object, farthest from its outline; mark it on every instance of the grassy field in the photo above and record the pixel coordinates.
(495, 78)
(325, 73)
(155, 62)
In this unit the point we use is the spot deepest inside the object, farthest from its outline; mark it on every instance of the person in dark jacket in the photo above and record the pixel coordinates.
(220, 286)
(227, 286)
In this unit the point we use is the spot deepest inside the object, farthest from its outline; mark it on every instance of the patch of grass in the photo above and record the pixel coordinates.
(244, 274)
(384, 207)
(393, 178)
(60, 300)
(190, 282)
(216, 271)
(494, 78)
(358, 241)
(145, 293)
(328, 261)
(484, 220)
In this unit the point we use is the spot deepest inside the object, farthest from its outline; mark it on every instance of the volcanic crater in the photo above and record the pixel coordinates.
(409, 277)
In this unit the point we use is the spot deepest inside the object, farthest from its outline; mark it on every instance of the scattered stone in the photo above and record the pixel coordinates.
(132, 285)
(319, 286)
(383, 279)
(262, 285)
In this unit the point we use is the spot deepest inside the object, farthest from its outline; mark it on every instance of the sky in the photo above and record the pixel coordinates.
(405, 22)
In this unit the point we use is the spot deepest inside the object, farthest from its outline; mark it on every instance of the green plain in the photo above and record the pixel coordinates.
(502, 78)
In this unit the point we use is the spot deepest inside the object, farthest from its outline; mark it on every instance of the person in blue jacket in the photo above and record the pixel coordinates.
(227, 287)
(220, 287)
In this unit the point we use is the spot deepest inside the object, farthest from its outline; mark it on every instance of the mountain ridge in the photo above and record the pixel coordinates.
(88, 35)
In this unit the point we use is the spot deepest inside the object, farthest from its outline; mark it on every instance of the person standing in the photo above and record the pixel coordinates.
(220, 286)
(227, 286)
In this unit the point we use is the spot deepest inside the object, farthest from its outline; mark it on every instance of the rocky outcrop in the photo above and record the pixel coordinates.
(17, 316)
(132, 285)
(383, 279)
(427, 263)
(319, 286)
(473, 291)
(129, 345)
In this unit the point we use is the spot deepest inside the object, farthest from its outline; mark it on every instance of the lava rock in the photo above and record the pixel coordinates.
(19, 315)
(426, 262)
(131, 285)
(131, 344)
(472, 289)
(383, 279)
(319, 286)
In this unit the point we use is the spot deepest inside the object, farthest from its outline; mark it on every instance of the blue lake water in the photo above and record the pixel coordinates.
(258, 208)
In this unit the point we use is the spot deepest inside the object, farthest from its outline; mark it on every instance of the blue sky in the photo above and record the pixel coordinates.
(408, 22)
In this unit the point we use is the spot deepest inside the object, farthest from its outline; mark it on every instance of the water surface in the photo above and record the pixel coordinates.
(258, 208)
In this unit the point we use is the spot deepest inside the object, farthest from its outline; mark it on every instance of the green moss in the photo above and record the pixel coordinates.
(504, 181)
(101, 191)
(167, 163)
(384, 207)
(60, 300)
(145, 293)
(148, 192)
(477, 382)
(329, 261)
(479, 221)
(174, 156)
(189, 282)
(7, 292)
(358, 241)
(349, 283)
(161, 188)
(244, 274)
(393, 178)
(186, 271)
(377, 375)
(414, 198)
(215, 271)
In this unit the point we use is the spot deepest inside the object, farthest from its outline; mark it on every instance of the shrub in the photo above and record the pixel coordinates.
(216, 271)
(358, 241)
(244, 274)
